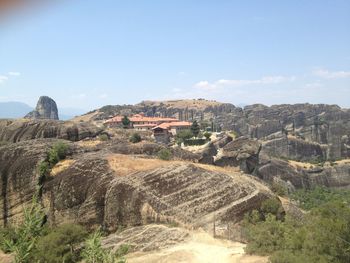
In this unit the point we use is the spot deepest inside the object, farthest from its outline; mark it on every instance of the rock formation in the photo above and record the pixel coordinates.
(88, 191)
(325, 125)
(46, 108)
(20, 130)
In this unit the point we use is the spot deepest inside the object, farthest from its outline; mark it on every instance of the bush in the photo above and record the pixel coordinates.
(93, 251)
(318, 196)
(25, 236)
(279, 189)
(192, 142)
(60, 244)
(103, 137)
(135, 138)
(8, 234)
(164, 154)
(181, 136)
(44, 169)
(57, 153)
(323, 235)
(272, 206)
(207, 135)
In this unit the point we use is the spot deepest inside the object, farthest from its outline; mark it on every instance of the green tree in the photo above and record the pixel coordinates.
(135, 138)
(125, 122)
(184, 135)
(195, 128)
(164, 154)
(60, 244)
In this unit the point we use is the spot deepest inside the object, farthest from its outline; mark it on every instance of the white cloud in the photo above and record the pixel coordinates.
(206, 85)
(13, 73)
(326, 74)
(181, 73)
(3, 78)
(103, 96)
(316, 84)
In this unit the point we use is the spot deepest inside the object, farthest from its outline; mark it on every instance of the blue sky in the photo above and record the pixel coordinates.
(88, 53)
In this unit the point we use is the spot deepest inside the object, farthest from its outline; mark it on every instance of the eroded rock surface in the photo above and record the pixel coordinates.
(242, 152)
(19, 176)
(46, 108)
(20, 130)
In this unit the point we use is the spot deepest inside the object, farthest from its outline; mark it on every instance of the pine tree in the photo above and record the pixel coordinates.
(195, 128)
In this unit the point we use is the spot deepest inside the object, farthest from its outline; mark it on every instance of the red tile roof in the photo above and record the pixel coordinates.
(169, 125)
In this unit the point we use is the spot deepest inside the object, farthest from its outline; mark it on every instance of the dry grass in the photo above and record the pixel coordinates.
(344, 161)
(85, 118)
(128, 164)
(89, 143)
(61, 166)
(219, 169)
(303, 165)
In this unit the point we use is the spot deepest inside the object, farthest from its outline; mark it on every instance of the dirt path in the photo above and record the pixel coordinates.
(201, 248)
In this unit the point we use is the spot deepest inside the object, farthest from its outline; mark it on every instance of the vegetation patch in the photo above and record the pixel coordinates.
(322, 236)
(165, 154)
(135, 138)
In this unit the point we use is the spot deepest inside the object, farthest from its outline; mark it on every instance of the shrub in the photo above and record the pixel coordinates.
(44, 169)
(93, 251)
(164, 154)
(58, 152)
(135, 138)
(26, 234)
(183, 135)
(272, 206)
(60, 244)
(195, 142)
(323, 236)
(279, 189)
(207, 135)
(103, 137)
(8, 234)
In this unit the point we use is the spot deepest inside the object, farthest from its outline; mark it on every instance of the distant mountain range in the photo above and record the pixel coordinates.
(15, 109)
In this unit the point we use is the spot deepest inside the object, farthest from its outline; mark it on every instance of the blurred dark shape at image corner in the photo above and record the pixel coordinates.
(11, 7)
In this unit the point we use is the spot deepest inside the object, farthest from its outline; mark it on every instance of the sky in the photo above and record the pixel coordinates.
(88, 53)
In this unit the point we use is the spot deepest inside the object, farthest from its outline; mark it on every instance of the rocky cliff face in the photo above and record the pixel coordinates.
(46, 108)
(20, 130)
(88, 191)
(325, 125)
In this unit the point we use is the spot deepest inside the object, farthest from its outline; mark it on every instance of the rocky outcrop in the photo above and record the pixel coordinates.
(242, 152)
(89, 193)
(326, 125)
(289, 147)
(19, 176)
(46, 108)
(305, 176)
(20, 130)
